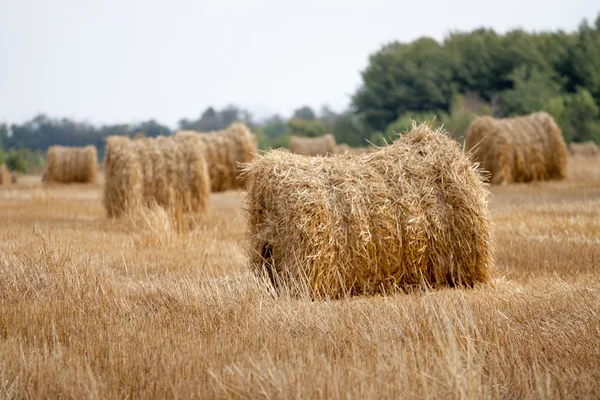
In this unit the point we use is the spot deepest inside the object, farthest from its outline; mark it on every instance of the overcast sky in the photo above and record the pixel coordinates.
(108, 61)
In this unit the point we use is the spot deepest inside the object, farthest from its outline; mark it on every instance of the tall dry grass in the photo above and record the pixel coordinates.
(151, 306)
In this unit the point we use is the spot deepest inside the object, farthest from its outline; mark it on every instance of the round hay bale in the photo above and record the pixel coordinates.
(72, 164)
(522, 149)
(342, 148)
(409, 214)
(318, 146)
(147, 171)
(224, 152)
(5, 178)
(587, 149)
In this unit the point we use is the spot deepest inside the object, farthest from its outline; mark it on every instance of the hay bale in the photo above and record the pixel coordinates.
(72, 164)
(317, 146)
(224, 152)
(342, 148)
(147, 171)
(4, 175)
(587, 149)
(412, 213)
(522, 149)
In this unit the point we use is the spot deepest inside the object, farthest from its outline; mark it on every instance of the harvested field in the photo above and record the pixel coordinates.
(97, 308)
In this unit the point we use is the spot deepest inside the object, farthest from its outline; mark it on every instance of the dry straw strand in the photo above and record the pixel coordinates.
(225, 151)
(587, 149)
(522, 149)
(409, 214)
(154, 171)
(71, 164)
(5, 177)
(318, 146)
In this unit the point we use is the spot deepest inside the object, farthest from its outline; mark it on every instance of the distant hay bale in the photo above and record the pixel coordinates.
(224, 151)
(587, 149)
(5, 177)
(342, 148)
(147, 171)
(409, 214)
(317, 146)
(72, 164)
(522, 149)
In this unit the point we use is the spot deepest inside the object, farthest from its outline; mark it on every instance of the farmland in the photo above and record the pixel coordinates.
(159, 306)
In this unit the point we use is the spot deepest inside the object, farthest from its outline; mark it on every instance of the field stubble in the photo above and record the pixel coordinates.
(154, 307)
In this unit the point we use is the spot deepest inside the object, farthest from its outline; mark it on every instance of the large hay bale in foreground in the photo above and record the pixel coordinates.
(317, 146)
(409, 214)
(224, 151)
(72, 164)
(587, 149)
(522, 149)
(147, 171)
(5, 177)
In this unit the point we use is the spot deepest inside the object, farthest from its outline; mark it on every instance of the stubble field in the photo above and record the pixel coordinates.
(154, 307)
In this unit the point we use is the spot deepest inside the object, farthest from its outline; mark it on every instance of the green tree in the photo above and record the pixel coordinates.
(305, 113)
(274, 126)
(584, 59)
(404, 123)
(306, 128)
(402, 78)
(531, 90)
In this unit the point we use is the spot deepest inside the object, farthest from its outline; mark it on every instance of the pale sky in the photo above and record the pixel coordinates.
(107, 61)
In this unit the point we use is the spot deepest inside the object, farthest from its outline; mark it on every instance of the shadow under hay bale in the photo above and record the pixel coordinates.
(224, 152)
(5, 177)
(587, 149)
(522, 149)
(412, 213)
(149, 171)
(317, 146)
(71, 164)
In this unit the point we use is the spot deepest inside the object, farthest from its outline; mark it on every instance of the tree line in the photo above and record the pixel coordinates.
(449, 82)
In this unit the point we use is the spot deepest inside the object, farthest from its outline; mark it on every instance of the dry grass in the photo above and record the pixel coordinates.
(139, 308)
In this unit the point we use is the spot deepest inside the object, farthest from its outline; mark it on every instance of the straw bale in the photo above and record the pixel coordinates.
(410, 214)
(224, 152)
(147, 171)
(317, 146)
(522, 149)
(5, 177)
(342, 148)
(587, 149)
(72, 164)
